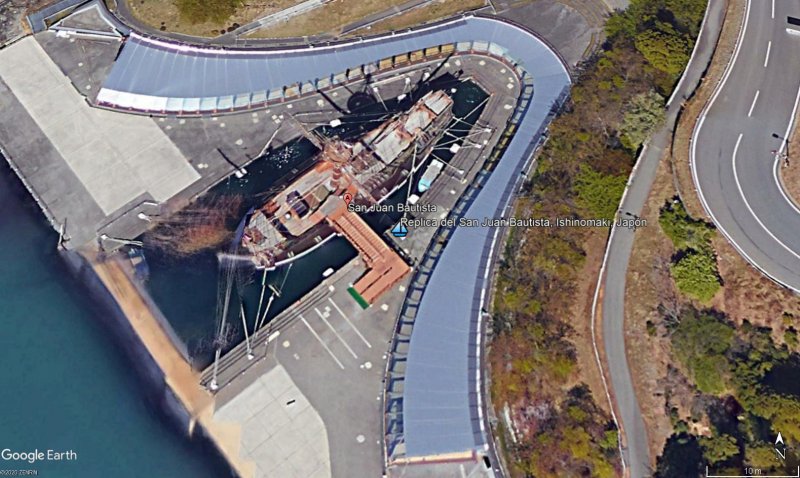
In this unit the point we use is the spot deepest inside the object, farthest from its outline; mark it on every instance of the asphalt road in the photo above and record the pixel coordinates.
(735, 170)
(627, 412)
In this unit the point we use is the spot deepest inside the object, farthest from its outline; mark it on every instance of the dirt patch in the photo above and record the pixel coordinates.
(651, 300)
(12, 17)
(330, 18)
(588, 372)
(164, 15)
(790, 174)
(433, 11)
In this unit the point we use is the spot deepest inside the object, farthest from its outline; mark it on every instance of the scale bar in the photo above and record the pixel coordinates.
(797, 475)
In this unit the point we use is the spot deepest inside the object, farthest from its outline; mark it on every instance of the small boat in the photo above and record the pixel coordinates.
(430, 175)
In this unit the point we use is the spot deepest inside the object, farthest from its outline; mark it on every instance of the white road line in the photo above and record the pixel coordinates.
(773, 8)
(693, 154)
(324, 345)
(766, 59)
(777, 165)
(747, 204)
(753, 105)
(335, 333)
(336, 306)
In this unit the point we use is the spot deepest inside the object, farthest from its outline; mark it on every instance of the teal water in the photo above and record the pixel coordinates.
(65, 383)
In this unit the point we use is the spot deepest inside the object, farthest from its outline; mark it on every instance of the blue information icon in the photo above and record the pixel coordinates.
(400, 230)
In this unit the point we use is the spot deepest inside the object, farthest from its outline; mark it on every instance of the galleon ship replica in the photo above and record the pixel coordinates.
(367, 171)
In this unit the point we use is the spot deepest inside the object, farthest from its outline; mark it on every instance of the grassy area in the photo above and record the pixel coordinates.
(433, 11)
(330, 18)
(196, 17)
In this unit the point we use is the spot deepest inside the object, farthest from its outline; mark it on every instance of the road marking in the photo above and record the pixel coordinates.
(747, 204)
(766, 59)
(773, 8)
(777, 165)
(335, 333)
(316, 335)
(336, 306)
(693, 158)
(753, 105)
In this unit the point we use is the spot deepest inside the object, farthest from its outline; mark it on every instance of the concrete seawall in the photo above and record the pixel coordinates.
(169, 380)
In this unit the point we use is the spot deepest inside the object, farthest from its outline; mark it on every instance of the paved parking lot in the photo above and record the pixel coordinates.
(334, 352)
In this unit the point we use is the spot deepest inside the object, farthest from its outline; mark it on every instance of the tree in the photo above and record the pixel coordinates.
(783, 411)
(664, 48)
(717, 449)
(700, 343)
(761, 455)
(696, 274)
(684, 231)
(642, 115)
(688, 14)
(599, 193)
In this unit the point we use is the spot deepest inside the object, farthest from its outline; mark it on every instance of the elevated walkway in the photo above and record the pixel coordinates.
(386, 267)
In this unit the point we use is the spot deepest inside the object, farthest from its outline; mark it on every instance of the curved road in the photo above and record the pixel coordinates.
(734, 166)
(611, 281)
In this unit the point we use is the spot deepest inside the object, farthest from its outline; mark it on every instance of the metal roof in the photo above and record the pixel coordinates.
(159, 75)
(442, 412)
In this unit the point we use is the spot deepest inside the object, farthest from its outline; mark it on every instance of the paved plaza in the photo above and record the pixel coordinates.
(281, 432)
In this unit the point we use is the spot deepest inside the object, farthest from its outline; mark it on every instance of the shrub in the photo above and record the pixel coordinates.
(700, 343)
(717, 449)
(643, 114)
(696, 274)
(664, 49)
(684, 231)
(599, 193)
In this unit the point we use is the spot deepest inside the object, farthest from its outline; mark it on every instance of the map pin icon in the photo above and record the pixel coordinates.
(347, 198)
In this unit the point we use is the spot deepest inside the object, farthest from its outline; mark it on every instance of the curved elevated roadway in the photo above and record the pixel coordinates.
(736, 143)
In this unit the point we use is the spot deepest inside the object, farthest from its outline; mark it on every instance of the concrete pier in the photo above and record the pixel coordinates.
(178, 374)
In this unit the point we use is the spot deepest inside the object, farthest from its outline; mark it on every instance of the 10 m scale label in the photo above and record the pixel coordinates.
(751, 471)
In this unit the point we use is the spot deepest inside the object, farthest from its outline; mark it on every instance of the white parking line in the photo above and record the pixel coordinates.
(766, 59)
(314, 332)
(336, 306)
(750, 113)
(336, 333)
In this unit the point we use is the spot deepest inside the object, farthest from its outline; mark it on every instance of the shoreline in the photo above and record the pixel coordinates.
(168, 377)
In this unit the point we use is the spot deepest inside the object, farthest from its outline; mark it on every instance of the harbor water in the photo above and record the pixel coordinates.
(66, 386)
(188, 289)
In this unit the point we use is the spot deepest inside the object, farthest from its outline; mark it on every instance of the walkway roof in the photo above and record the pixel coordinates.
(159, 75)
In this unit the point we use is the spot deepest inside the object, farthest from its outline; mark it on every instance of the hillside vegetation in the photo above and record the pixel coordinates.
(557, 428)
